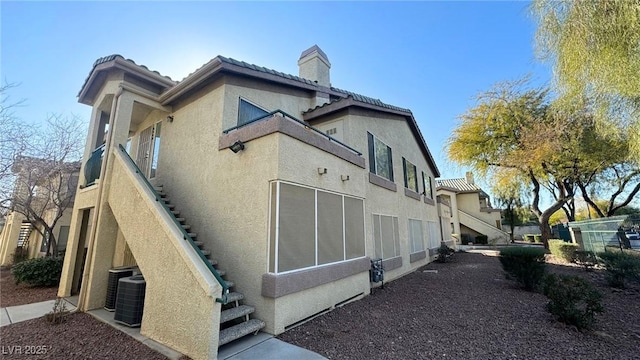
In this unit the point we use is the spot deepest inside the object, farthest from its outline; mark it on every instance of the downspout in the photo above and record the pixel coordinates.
(94, 220)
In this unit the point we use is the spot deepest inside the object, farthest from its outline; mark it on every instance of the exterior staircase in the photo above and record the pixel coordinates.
(25, 232)
(235, 318)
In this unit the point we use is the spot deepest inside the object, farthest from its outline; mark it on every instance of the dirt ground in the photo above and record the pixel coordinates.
(12, 294)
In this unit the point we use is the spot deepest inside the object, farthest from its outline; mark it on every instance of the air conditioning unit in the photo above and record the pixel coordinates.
(115, 274)
(130, 301)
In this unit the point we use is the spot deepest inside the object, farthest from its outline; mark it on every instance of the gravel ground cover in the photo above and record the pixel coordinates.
(81, 336)
(12, 294)
(468, 310)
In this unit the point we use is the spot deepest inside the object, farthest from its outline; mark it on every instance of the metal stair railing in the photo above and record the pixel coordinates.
(185, 235)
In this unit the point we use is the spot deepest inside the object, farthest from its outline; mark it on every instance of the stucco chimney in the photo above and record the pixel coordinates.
(469, 176)
(314, 65)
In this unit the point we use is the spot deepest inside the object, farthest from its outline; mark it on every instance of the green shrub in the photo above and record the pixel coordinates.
(444, 253)
(572, 300)
(562, 250)
(482, 239)
(620, 267)
(38, 272)
(524, 264)
(586, 259)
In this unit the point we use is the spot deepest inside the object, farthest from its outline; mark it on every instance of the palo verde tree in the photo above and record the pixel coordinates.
(512, 127)
(509, 195)
(594, 47)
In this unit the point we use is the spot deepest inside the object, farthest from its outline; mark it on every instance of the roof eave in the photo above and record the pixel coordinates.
(350, 101)
(121, 64)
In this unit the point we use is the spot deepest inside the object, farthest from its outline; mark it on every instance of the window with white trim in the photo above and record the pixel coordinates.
(380, 158)
(433, 235)
(415, 235)
(386, 236)
(312, 227)
(410, 175)
(248, 112)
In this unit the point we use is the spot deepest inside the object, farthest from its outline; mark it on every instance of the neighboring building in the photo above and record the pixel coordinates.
(287, 185)
(471, 211)
(47, 197)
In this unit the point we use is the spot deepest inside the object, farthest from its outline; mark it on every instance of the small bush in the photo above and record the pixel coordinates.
(444, 253)
(525, 264)
(38, 272)
(59, 312)
(572, 300)
(537, 238)
(586, 259)
(562, 250)
(621, 267)
(482, 239)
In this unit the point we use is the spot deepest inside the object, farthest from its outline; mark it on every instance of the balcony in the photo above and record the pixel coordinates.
(279, 121)
(93, 165)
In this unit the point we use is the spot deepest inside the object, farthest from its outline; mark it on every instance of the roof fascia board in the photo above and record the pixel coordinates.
(349, 101)
(124, 65)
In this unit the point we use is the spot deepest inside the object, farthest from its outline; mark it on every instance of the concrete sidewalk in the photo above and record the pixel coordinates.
(14, 314)
(261, 346)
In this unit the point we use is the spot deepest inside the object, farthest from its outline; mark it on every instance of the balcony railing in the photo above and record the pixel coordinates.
(93, 165)
(300, 122)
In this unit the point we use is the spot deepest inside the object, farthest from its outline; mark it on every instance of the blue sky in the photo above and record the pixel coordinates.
(430, 57)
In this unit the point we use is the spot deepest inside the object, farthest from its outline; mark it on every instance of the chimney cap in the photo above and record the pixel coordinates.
(311, 50)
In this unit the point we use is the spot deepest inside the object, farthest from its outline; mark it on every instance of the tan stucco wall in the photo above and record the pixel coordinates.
(9, 238)
(470, 203)
(180, 309)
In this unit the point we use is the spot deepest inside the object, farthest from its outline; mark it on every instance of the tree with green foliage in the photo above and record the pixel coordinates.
(509, 195)
(594, 47)
(513, 128)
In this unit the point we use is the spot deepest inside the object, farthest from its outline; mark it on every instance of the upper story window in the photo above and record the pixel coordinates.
(380, 159)
(428, 191)
(410, 175)
(248, 112)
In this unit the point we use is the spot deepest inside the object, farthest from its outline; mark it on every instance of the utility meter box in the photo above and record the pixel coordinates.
(376, 273)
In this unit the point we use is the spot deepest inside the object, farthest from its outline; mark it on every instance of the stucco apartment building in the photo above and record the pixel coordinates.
(471, 210)
(249, 199)
(49, 197)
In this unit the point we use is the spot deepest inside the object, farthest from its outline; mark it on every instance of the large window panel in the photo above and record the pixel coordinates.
(388, 239)
(312, 227)
(426, 182)
(330, 245)
(354, 227)
(396, 237)
(377, 236)
(380, 158)
(410, 175)
(296, 242)
(248, 112)
(415, 235)
(433, 234)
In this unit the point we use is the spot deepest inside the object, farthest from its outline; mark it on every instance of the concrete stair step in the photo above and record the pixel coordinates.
(234, 296)
(206, 252)
(230, 284)
(240, 330)
(213, 262)
(181, 220)
(186, 227)
(235, 312)
(221, 272)
(170, 206)
(198, 243)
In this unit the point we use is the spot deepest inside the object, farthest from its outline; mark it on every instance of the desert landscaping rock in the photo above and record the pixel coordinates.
(12, 294)
(468, 310)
